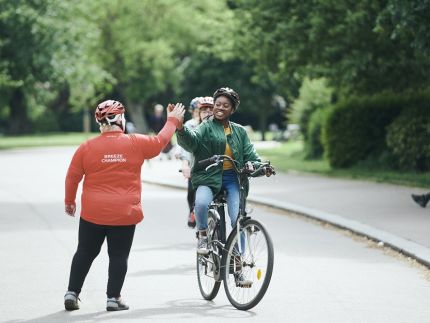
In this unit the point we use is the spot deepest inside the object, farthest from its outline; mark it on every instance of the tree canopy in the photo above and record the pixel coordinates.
(360, 46)
(63, 57)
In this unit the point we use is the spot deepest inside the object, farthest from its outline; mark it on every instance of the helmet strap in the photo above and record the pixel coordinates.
(123, 121)
(118, 120)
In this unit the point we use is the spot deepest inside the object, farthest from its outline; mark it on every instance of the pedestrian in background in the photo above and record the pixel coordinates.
(156, 122)
(111, 196)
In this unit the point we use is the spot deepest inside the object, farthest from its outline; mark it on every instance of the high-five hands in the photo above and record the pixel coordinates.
(176, 111)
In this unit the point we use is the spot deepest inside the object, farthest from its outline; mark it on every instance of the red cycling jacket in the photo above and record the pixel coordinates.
(111, 166)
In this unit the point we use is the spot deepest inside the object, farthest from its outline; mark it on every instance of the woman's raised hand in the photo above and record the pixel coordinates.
(177, 111)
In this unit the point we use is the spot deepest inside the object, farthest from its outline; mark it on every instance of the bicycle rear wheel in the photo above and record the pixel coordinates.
(208, 267)
(254, 264)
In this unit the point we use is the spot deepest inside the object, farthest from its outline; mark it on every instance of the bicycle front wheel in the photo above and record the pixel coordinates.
(248, 271)
(208, 267)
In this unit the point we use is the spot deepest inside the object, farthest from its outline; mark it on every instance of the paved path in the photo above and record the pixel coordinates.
(319, 275)
(382, 212)
(341, 279)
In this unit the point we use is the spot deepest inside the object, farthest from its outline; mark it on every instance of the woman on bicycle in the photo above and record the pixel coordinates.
(111, 207)
(217, 136)
(200, 108)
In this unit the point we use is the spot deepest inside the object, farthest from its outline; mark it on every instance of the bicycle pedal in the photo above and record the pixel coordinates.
(203, 257)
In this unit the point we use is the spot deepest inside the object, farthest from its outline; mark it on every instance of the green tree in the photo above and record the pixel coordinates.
(78, 81)
(25, 51)
(205, 73)
(345, 41)
(145, 45)
(313, 95)
(44, 60)
(409, 19)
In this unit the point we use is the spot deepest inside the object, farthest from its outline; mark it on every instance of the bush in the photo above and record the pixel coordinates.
(72, 121)
(313, 146)
(356, 128)
(46, 122)
(408, 137)
(314, 94)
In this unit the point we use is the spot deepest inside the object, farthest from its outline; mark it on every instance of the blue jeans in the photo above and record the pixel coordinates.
(204, 197)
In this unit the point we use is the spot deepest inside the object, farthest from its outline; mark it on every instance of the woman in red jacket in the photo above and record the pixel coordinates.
(111, 207)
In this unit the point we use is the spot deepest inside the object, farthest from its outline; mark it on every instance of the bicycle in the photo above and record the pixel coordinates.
(253, 257)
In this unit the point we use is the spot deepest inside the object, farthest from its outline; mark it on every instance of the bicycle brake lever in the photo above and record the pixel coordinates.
(212, 165)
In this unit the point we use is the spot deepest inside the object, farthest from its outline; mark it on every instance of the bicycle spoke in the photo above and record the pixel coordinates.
(207, 267)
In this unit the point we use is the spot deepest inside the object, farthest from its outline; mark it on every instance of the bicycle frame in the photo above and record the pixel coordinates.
(242, 216)
(232, 257)
(217, 207)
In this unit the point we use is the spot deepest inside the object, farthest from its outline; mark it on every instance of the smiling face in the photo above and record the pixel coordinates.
(223, 109)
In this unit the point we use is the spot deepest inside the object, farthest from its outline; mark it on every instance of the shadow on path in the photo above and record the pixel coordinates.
(180, 309)
(176, 270)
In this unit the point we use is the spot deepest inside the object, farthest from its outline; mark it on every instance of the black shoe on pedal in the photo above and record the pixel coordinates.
(202, 246)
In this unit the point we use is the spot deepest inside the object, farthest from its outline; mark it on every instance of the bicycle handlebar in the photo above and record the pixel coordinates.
(206, 162)
(215, 160)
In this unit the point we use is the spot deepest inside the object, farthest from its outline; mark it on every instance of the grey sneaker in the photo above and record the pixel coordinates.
(241, 281)
(71, 301)
(116, 304)
(202, 246)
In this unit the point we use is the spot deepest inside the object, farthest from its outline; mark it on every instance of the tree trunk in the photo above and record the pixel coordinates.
(136, 112)
(18, 121)
(60, 107)
(86, 120)
(263, 123)
(61, 102)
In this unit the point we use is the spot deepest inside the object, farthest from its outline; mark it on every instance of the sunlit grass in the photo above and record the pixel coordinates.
(289, 156)
(44, 140)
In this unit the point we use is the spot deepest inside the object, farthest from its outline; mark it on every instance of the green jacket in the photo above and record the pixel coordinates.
(209, 139)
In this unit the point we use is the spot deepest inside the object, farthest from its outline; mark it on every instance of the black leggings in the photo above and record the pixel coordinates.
(91, 238)
(191, 195)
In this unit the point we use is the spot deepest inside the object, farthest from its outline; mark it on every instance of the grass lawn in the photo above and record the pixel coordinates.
(63, 139)
(43, 140)
(289, 156)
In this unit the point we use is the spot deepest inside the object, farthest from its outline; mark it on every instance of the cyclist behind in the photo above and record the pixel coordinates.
(111, 194)
(201, 108)
(217, 136)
